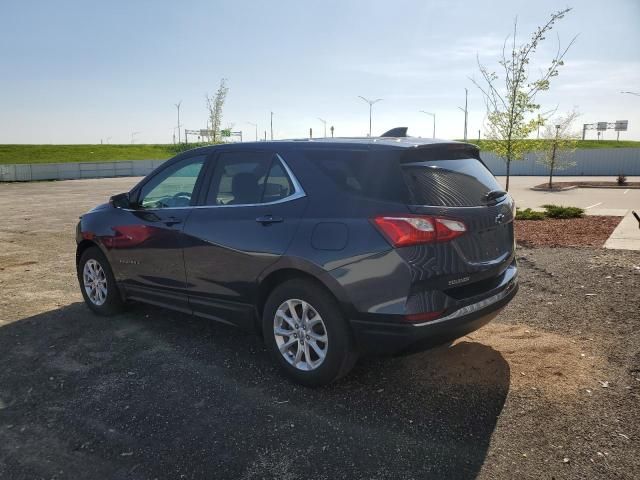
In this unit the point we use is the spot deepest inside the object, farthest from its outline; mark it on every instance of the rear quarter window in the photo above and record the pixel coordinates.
(362, 173)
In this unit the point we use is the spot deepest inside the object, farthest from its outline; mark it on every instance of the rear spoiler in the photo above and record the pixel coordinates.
(441, 151)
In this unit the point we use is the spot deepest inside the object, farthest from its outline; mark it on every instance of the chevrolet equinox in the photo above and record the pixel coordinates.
(329, 248)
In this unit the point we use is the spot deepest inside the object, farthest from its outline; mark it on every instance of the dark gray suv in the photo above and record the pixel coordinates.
(328, 248)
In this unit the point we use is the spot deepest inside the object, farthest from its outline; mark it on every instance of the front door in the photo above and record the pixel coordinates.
(147, 246)
(253, 208)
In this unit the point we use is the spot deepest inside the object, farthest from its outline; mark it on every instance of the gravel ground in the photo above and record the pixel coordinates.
(550, 389)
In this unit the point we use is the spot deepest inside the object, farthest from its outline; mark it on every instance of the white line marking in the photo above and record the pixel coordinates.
(625, 191)
(594, 205)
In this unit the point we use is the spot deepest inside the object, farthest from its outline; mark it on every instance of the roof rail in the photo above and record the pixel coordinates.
(396, 132)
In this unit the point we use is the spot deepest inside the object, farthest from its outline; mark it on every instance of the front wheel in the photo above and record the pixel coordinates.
(307, 334)
(97, 283)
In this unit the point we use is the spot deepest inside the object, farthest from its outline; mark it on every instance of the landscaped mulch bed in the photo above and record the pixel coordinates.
(559, 186)
(591, 231)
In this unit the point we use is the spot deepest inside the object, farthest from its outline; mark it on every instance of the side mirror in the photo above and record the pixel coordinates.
(120, 200)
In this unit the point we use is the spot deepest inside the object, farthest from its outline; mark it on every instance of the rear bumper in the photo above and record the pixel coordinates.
(380, 337)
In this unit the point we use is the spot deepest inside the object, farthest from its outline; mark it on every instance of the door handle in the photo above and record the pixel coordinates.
(267, 219)
(170, 221)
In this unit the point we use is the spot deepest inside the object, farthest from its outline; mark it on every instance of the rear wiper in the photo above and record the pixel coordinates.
(494, 195)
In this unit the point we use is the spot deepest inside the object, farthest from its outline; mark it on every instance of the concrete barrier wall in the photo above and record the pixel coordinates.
(602, 162)
(68, 171)
(597, 161)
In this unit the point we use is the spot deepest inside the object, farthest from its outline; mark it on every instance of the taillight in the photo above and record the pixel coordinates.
(406, 230)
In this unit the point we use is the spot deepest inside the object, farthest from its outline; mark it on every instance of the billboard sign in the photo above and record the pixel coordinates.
(621, 125)
(602, 125)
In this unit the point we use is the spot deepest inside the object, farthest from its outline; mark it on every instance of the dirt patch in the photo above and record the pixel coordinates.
(589, 231)
(555, 364)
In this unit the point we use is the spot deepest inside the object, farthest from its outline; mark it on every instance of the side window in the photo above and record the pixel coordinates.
(248, 178)
(173, 187)
(238, 178)
(278, 185)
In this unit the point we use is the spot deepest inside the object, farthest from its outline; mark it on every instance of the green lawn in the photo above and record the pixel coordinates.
(83, 153)
(107, 153)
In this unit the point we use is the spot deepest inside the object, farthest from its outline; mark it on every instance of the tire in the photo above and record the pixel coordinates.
(323, 316)
(106, 300)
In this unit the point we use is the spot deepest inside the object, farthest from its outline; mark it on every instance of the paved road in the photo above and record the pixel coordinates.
(601, 201)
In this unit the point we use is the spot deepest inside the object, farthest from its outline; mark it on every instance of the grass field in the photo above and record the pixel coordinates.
(84, 153)
(107, 153)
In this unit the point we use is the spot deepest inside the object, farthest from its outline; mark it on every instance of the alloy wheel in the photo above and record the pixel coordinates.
(300, 334)
(95, 282)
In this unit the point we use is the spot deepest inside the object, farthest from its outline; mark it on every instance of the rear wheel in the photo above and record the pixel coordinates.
(97, 283)
(307, 334)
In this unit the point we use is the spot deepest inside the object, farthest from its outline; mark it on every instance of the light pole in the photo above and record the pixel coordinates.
(632, 93)
(434, 121)
(324, 122)
(177, 105)
(370, 102)
(466, 92)
(255, 125)
(271, 125)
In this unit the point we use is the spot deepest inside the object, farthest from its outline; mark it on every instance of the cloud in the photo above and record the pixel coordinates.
(440, 62)
(599, 77)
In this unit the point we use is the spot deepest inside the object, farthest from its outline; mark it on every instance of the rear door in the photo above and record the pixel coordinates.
(459, 186)
(250, 215)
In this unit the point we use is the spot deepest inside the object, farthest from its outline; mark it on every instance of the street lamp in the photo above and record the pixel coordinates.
(256, 126)
(632, 93)
(466, 113)
(370, 102)
(434, 121)
(271, 125)
(324, 122)
(177, 105)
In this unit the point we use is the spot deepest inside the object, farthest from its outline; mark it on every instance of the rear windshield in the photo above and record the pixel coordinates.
(463, 182)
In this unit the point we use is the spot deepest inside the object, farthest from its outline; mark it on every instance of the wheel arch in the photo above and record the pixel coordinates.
(82, 247)
(298, 269)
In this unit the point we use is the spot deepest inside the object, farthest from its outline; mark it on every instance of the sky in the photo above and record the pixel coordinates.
(89, 71)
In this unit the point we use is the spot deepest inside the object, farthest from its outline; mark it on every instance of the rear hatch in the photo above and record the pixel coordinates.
(451, 182)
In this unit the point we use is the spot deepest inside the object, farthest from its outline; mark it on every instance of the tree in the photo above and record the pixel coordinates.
(215, 105)
(559, 143)
(510, 101)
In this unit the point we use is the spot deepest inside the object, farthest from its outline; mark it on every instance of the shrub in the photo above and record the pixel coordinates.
(622, 180)
(557, 211)
(528, 214)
